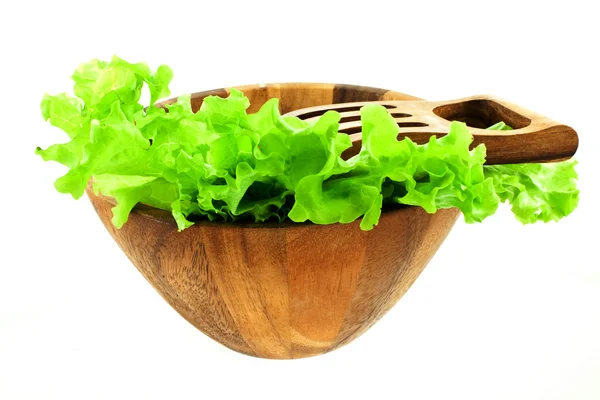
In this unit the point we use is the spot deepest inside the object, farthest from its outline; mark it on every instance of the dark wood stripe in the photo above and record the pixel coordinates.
(343, 93)
(197, 98)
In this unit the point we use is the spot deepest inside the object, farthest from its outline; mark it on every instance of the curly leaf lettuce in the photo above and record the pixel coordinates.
(222, 163)
(100, 121)
(536, 192)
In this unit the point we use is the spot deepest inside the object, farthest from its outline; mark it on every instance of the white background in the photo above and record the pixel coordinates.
(503, 311)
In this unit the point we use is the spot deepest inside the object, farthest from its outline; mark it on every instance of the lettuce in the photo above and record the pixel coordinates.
(222, 163)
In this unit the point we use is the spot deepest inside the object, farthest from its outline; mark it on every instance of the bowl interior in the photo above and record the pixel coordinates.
(292, 96)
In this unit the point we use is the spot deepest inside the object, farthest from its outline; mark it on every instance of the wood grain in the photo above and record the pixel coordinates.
(282, 290)
(535, 138)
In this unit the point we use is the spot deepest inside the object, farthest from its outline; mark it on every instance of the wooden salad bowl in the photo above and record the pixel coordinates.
(282, 290)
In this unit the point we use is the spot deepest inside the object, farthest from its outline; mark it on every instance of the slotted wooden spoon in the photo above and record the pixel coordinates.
(534, 138)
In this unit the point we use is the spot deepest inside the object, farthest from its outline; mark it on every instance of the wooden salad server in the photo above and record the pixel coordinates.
(534, 138)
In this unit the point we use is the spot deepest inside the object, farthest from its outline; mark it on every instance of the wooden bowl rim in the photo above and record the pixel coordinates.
(165, 216)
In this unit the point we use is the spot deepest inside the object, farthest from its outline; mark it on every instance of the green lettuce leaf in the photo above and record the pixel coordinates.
(222, 163)
(100, 121)
(500, 126)
(536, 192)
